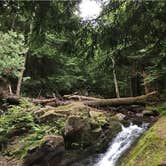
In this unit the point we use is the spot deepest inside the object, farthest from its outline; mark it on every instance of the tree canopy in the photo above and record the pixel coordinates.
(121, 51)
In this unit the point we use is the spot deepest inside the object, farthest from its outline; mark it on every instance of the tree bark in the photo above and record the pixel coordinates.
(10, 89)
(146, 84)
(79, 97)
(115, 79)
(144, 99)
(27, 42)
(44, 101)
(18, 91)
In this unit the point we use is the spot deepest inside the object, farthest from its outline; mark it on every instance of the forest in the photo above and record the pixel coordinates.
(68, 83)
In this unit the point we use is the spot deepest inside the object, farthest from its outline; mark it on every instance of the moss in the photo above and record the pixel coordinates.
(65, 107)
(18, 129)
(19, 146)
(150, 149)
(14, 122)
(57, 126)
(98, 119)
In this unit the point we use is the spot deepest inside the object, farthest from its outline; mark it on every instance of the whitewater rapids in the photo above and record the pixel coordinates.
(120, 144)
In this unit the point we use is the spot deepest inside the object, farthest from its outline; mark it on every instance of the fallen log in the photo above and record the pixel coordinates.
(79, 97)
(51, 101)
(15, 100)
(44, 101)
(144, 99)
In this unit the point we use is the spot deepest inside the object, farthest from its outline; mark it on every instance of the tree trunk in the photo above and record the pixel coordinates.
(146, 84)
(27, 42)
(144, 99)
(10, 89)
(18, 91)
(115, 79)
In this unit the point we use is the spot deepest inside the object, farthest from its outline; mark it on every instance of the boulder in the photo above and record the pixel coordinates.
(119, 117)
(98, 118)
(74, 125)
(77, 130)
(49, 152)
(101, 142)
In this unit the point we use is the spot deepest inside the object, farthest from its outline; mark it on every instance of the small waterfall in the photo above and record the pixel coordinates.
(120, 144)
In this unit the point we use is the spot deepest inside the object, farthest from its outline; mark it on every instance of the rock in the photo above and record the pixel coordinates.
(119, 117)
(98, 119)
(136, 108)
(74, 124)
(49, 152)
(114, 109)
(149, 113)
(95, 114)
(77, 130)
(122, 109)
(101, 143)
(139, 114)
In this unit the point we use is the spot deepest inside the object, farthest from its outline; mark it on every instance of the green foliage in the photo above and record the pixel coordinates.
(133, 33)
(14, 122)
(160, 108)
(70, 55)
(12, 51)
(28, 141)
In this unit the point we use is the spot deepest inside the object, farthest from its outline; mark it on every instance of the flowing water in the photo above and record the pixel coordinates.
(117, 147)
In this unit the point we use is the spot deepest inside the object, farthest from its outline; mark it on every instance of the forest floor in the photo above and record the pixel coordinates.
(28, 131)
(150, 150)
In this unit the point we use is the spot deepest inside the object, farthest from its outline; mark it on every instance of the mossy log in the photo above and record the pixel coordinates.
(144, 99)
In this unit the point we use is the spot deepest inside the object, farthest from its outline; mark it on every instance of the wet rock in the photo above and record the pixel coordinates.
(122, 109)
(49, 152)
(119, 117)
(136, 108)
(100, 143)
(139, 114)
(149, 113)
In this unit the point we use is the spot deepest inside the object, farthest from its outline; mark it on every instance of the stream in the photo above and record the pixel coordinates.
(117, 147)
